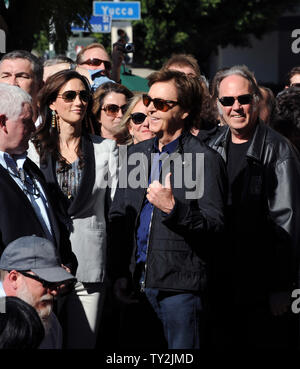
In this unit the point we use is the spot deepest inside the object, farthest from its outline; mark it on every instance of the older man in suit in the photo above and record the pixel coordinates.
(25, 205)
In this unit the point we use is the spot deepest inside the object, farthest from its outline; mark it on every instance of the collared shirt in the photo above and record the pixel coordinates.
(2, 292)
(28, 186)
(143, 230)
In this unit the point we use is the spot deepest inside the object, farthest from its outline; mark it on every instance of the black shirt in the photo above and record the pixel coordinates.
(236, 163)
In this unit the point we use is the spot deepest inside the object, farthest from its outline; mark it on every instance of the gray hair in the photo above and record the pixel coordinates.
(12, 99)
(36, 63)
(239, 70)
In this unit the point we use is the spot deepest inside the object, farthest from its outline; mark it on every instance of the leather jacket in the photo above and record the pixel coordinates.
(178, 242)
(264, 231)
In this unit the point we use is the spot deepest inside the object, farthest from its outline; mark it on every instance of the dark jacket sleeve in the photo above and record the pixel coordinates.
(120, 230)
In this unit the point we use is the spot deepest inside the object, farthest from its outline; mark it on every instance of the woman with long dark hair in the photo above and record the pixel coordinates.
(80, 168)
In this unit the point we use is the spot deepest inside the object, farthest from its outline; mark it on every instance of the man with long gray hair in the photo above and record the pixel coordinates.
(260, 258)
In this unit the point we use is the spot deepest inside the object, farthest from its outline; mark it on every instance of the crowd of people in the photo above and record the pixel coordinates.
(146, 220)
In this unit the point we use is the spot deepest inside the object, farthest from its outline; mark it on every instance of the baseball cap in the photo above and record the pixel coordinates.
(36, 254)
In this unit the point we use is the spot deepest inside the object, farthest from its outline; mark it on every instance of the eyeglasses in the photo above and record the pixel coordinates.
(242, 99)
(112, 110)
(138, 118)
(159, 104)
(46, 284)
(96, 62)
(70, 96)
(295, 85)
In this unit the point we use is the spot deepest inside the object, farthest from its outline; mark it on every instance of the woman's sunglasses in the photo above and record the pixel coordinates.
(138, 118)
(112, 110)
(242, 99)
(159, 104)
(70, 96)
(96, 62)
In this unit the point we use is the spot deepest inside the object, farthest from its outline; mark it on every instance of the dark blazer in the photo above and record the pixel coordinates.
(18, 218)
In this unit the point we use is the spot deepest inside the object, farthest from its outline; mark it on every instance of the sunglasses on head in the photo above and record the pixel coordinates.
(70, 96)
(113, 109)
(46, 284)
(138, 118)
(96, 62)
(242, 99)
(159, 104)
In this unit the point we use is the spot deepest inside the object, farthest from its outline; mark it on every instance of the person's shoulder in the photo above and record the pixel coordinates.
(277, 144)
(142, 146)
(101, 142)
(211, 134)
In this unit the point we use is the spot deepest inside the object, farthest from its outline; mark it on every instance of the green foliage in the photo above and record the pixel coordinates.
(41, 43)
(25, 19)
(198, 27)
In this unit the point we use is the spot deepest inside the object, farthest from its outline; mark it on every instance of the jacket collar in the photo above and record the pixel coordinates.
(256, 148)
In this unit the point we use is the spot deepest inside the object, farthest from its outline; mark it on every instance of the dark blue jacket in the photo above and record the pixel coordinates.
(179, 242)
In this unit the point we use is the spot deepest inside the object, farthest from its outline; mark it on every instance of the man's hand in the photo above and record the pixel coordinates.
(161, 196)
(117, 57)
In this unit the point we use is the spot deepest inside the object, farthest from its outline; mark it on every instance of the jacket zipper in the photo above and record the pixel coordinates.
(148, 242)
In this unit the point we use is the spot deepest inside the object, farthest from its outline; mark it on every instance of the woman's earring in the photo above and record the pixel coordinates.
(57, 123)
(53, 121)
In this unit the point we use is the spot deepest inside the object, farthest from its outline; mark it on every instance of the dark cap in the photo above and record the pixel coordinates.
(36, 254)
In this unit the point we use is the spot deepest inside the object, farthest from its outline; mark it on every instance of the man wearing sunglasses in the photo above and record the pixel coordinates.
(263, 234)
(159, 233)
(96, 60)
(30, 269)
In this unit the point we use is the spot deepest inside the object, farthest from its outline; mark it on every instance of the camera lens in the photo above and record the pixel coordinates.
(128, 48)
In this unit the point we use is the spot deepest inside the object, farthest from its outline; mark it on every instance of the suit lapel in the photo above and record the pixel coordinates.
(16, 189)
(33, 170)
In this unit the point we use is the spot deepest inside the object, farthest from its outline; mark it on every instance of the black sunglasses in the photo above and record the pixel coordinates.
(96, 62)
(70, 95)
(46, 284)
(138, 118)
(242, 99)
(159, 104)
(113, 109)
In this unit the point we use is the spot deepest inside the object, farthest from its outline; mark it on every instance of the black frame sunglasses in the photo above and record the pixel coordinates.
(159, 104)
(96, 62)
(46, 284)
(242, 99)
(70, 95)
(138, 118)
(113, 109)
